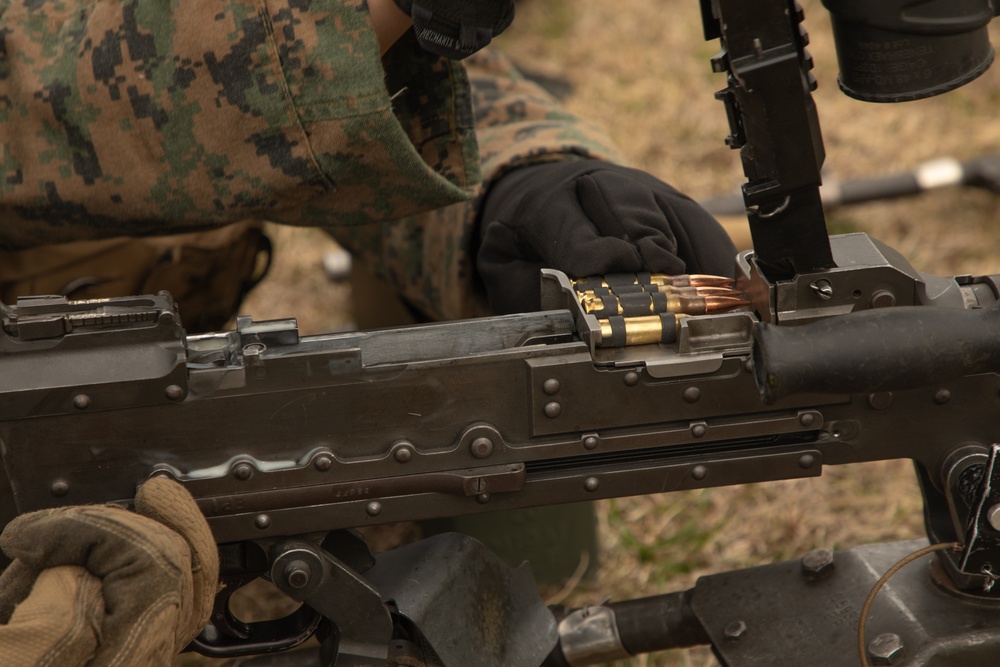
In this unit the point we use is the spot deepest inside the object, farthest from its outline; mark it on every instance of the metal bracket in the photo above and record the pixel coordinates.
(309, 573)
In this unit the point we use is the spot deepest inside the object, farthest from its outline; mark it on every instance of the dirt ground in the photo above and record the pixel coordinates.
(642, 69)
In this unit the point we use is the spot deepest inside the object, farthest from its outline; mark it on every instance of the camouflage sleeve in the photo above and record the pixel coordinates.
(430, 258)
(159, 116)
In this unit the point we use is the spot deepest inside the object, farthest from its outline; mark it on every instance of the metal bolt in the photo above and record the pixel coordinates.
(243, 472)
(591, 442)
(883, 299)
(404, 453)
(591, 484)
(631, 379)
(479, 485)
(81, 401)
(822, 288)
(297, 574)
(807, 419)
(323, 463)
(551, 386)
(817, 564)
(483, 498)
(374, 508)
(552, 410)
(262, 521)
(699, 472)
(174, 392)
(806, 461)
(691, 394)
(993, 516)
(699, 430)
(60, 488)
(886, 649)
(880, 400)
(735, 630)
(942, 396)
(254, 349)
(748, 365)
(481, 447)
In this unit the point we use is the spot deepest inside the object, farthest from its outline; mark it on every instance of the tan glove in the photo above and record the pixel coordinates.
(98, 585)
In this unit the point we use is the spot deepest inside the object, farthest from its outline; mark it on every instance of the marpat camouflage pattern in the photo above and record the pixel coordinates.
(167, 116)
(126, 118)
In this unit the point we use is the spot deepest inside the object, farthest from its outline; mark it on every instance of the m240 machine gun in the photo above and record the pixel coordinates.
(288, 443)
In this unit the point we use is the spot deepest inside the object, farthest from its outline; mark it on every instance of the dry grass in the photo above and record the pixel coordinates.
(641, 68)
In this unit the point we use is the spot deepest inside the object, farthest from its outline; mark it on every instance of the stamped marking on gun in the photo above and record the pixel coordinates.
(354, 492)
(842, 612)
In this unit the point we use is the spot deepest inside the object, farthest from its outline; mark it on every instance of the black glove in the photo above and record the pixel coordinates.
(588, 218)
(457, 28)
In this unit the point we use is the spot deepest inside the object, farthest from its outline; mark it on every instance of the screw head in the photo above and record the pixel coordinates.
(551, 386)
(243, 472)
(323, 463)
(591, 442)
(552, 410)
(297, 574)
(993, 516)
(806, 461)
(483, 498)
(481, 447)
(404, 453)
(174, 392)
(734, 631)
(631, 379)
(880, 400)
(691, 394)
(886, 649)
(262, 521)
(807, 419)
(591, 484)
(699, 472)
(374, 508)
(699, 430)
(822, 288)
(81, 401)
(60, 488)
(817, 564)
(942, 396)
(883, 299)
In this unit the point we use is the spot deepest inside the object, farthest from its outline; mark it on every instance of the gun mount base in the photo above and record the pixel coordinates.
(788, 617)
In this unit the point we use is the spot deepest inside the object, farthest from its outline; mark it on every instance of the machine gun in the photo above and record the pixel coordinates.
(288, 443)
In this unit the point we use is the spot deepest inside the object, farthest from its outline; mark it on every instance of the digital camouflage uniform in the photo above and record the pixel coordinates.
(129, 119)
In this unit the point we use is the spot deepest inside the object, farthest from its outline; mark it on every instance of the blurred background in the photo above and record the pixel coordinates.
(641, 68)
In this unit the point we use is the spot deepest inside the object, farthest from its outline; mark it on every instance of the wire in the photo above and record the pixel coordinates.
(944, 546)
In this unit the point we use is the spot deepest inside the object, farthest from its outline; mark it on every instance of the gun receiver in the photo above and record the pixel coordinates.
(278, 435)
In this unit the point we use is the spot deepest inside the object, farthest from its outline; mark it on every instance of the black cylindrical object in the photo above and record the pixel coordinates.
(901, 50)
(658, 623)
(875, 350)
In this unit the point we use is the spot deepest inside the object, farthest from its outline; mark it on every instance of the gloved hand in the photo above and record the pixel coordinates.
(587, 218)
(457, 28)
(107, 586)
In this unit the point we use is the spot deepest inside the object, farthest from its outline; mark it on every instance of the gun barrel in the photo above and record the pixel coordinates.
(875, 350)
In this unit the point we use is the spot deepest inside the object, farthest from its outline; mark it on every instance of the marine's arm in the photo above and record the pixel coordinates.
(141, 118)
(438, 260)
